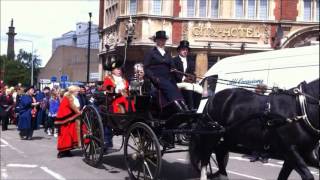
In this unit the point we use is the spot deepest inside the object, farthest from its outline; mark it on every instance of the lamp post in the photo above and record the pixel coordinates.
(89, 39)
(25, 40)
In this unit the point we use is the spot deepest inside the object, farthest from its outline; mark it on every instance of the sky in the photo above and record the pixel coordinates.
(40, 21)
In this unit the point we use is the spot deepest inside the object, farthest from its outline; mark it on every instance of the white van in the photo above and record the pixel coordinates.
(284, 68)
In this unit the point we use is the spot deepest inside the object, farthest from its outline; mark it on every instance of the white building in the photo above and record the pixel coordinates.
(78, 38)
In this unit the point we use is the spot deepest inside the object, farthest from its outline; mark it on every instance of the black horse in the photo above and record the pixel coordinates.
(274, 124)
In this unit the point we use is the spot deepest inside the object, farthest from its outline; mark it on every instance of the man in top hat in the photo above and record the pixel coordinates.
(157, 66)
(185, 67)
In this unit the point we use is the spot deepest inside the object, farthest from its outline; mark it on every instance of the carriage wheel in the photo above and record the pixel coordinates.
(142, 152)
(92, 136)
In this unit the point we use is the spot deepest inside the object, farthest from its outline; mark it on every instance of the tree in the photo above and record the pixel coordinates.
(19, 70)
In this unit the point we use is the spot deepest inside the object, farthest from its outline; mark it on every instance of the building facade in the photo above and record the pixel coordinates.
(78, 38)
(214, 28)
(70, 62)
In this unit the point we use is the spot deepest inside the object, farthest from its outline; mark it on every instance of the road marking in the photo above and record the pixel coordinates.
(52, 173)
(269, 164)
(240, 174)
(4, 174)
(23, 165)
(13, 148)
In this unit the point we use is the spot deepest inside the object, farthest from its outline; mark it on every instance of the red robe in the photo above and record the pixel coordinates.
(121, 99)
(68, 137)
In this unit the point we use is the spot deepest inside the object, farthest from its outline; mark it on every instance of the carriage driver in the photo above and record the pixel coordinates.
(157, 67)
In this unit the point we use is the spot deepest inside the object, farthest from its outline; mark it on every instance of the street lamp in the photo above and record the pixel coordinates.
(25, 40)
(89, 39)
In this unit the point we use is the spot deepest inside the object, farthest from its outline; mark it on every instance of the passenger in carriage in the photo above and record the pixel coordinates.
(185, 67)
(118, 86)
(157, 67)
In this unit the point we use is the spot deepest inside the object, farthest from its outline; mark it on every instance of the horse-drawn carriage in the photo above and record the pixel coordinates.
(144, 133)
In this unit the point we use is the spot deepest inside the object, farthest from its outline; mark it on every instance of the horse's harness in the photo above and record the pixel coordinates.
(302, 102)
(301, 98)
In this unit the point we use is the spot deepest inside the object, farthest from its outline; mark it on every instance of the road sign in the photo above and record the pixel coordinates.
(53, 78)
(64, 78)
(45, 81)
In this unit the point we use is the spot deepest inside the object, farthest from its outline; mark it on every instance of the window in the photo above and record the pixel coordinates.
(203, 8)
(239, 9)
(190, 8)
(214, 8)
(307, 10)
(132, 7)
(157, 7)
(251, 9)
(263, 9)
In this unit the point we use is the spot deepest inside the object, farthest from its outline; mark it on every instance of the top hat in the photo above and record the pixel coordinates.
(112, 63)
(160, 35)
(183, 44)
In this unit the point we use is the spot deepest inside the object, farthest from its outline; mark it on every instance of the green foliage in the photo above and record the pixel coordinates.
(19, 70)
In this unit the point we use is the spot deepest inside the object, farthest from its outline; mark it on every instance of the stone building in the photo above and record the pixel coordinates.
(214, 28)
(71, 62)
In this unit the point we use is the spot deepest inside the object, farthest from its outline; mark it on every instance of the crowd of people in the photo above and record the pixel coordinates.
(58, 110)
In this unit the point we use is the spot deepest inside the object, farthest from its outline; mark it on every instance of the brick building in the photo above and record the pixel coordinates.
(215, 28)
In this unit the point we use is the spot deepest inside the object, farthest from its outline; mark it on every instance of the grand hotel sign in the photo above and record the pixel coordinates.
(221, 31)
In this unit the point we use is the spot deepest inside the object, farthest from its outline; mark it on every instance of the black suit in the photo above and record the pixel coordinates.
(189, 96)
(179, 66)
(158, 69)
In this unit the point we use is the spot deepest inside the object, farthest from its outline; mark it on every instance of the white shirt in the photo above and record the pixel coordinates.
(184, 62)
(118, 83)
(161, 50)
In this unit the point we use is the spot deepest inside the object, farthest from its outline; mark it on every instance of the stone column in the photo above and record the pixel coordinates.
(201, 63)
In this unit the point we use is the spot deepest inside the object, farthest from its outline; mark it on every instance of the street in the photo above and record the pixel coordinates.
(36, 159)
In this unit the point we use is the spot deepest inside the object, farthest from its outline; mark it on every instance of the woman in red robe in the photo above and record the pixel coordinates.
(68, 122)
(116, 84)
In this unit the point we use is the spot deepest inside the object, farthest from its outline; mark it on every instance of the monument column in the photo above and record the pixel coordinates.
(10, 48)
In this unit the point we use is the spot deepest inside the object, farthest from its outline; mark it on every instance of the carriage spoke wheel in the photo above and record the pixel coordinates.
(142, 152)
(92, 136)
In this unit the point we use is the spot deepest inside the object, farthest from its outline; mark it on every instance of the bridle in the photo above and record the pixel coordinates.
(301, 98)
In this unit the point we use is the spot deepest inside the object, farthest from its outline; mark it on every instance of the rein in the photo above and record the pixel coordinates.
(223, 81)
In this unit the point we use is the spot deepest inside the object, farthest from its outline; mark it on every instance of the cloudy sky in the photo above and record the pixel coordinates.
(40, 21)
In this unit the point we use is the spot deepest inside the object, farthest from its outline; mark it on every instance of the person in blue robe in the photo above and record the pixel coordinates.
(27, 114)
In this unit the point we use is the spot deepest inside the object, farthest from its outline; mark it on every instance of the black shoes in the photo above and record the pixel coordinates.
(63, 154)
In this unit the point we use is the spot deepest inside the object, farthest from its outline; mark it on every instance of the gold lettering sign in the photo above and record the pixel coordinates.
(239, 32)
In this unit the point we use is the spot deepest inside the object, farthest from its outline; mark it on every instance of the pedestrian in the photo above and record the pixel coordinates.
(6, 105)
(82, 96)
(43, 98)
(54, 103)
(68, 122)
(27, 114)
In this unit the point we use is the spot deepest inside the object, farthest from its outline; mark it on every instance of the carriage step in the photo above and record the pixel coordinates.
(110, 150)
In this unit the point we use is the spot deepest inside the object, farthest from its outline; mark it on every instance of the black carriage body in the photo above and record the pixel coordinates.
(142, 131)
